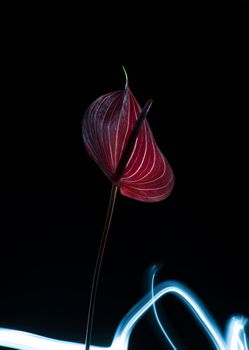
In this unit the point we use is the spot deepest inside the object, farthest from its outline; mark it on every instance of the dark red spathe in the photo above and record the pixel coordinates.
(107, 125)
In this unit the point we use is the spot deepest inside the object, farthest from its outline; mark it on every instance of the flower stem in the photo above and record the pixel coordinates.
(97, 268)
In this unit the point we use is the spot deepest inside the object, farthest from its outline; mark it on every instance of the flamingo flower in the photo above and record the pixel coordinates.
(118, 137)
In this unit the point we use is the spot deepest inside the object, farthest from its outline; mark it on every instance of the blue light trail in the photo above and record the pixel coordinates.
(233, 339)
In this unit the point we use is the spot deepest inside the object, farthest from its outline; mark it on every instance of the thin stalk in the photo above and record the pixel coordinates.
(97, 268)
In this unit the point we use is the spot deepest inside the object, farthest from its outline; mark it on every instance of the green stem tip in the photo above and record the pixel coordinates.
(126, 77)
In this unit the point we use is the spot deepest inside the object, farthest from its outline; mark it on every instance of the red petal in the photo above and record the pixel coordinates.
(107, 126)
(104, 129)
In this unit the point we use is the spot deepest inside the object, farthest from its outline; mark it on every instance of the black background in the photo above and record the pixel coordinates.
(54, 198)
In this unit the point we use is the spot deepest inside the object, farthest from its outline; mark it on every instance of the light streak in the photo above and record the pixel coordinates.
(234, 339)
(163, 330)
(236, 336)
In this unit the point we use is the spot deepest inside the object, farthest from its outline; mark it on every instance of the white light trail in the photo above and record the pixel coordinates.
(234, 339)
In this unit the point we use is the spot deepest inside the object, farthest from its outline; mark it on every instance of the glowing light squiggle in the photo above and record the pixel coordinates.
(235, 338)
